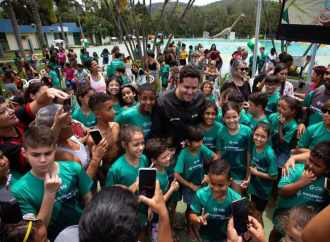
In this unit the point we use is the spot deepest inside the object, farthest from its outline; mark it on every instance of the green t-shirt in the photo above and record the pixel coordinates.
(124, 80)
(137, 54)
(313, 195)
(272, 104)
(165, 70)
(118, 109)
(149, 51)
(289, 132)
(113, 66)
(89, 121)
(122, 172)
(234, 149)
(307, 99)
(164, 186)
(15, 61)
(262, 60)
(68, 207)
(189, 54)
(83, 58)
(251, 62)
(244, 119)
(55, 81)
(134, 117)
(210, 136)
(220, 212)
(253, 122)
(176, 196)
(210, 98)
(313, 135)
(265, 162)
(191, 167)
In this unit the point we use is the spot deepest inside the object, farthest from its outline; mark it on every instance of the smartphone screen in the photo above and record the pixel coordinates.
(147, 182)
(66, 107)
(96, 136)
(327, 184)
(240, 215)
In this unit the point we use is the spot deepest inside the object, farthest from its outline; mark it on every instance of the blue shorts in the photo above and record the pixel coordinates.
(282, 159)
(10, 87)
(188, 197)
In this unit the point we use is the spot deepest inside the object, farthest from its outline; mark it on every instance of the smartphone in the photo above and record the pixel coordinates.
(240, 211)
(327, 184)
(96, 136)
(66, 107)
(78, 131)
(147, 182)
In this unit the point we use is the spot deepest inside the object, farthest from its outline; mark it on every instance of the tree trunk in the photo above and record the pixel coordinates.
(61, 25)
(2, 54)
(158, 25)
(267, 23)
(38, 23)
(144, 38)
(137, 33)
(15, 28)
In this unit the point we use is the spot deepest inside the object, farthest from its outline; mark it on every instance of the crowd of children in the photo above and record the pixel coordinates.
(239, 147)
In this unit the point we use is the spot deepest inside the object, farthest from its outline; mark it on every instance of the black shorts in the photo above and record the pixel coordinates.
(260, 203)
(165, 85)
(183, 62)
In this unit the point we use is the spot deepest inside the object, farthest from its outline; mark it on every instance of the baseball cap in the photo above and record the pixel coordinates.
(16, 100)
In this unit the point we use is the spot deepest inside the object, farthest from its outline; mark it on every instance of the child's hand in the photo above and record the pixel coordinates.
(202, 219)
(194, 187)
(307, 177)
(52, 184)
(286, 169)
(150, 214)
(245, 184)
(100, 149)
(134, 187)
(253, 170)
(206, 180)
(281, 120)
(175, 185)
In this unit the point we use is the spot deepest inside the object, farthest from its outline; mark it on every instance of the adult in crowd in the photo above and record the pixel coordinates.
(201, 64)
(215, 55)
(53, 50)
(212, 70)
(153, 68)
(33, 60)
(45, 53)
(237, 79)
(61, 57)
(168, 57)
(177, 108)
(96, 79)
(237, 53)
(114, 50)
(313, 104)
(272, 59)
(140, 75)
(14, 123)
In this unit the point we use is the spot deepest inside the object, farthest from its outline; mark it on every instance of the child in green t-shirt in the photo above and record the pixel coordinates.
(283, 132)
(165, 70)
(84, 114)
(129, 96)
(51, 74)
(189, 171)
(114, 83)
(159, 155)
(211, 207)
(304, 186)
(53, 191)
(263, 171)
(234, 145)
(273, 96)
(257, 104)
(140, 115)
(121, 72)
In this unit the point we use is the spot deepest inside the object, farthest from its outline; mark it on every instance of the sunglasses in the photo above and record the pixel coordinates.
(244, 69)
(325, 111)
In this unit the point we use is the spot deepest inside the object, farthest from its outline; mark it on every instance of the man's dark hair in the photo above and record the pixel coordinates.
(38, 136)
(235, 96)
(155, 147)
(117, 55)
(220, 167)
(147, 87)
(96, 101)
(189, 71)
(82, 91)
(111, 215)
(259, 98)
(271, 79)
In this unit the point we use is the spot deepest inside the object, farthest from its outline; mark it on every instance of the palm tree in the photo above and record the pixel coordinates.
(2, 54)
(38, 23)
(60, 4)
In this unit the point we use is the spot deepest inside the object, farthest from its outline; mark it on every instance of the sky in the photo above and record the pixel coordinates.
(197, 2)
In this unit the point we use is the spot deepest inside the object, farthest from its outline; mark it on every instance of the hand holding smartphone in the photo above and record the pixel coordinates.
(96, 136)
(147, 182)
(240, 215)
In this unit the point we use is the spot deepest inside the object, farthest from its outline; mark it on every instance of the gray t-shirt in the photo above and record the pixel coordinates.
(70, 234)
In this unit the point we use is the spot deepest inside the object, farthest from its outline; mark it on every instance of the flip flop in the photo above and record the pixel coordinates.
(192, 237)
(178, 226)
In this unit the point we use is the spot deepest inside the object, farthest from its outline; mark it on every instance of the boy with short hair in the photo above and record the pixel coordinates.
(211, 207)
(140, 115)
(166, 74)
(101, 105)
(158, 153)
(53, 191)
(84, 114)
(114, 64)
(257, 104)
(121, 72)
(262, 61)
(50, 73)
(304, 186)
(273, 96)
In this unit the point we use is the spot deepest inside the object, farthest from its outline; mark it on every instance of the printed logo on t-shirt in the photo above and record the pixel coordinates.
(194, 115)
(146, 124)
(218, 210)
(315, 188)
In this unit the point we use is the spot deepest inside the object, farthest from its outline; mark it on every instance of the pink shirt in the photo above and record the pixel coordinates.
(69, 74)
(61, 56)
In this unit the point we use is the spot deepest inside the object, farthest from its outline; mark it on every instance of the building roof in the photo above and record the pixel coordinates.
(5, 27)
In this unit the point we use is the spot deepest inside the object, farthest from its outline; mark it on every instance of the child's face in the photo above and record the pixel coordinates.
(218, 185)
(282, 75)
(106, 113)
(128, 95)
(4, 166)
(147, 100)
(113, 87)
(279, 106)
(163, 160)
(270, 87)
(136, 146)
(326, 117)
(262, 51)
(172, 152)
(163, 64)
(260, 137)
(85, 99)
(196, 145)
(40, 158)
(209, 116)
(286, 111)
(207, 89)
(41, 235)
(253, 109)
(316, 165)
(231, 119)
(293, 234)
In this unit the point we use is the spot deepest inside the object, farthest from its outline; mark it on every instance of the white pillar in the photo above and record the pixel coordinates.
(311, 63)
(255, 52)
